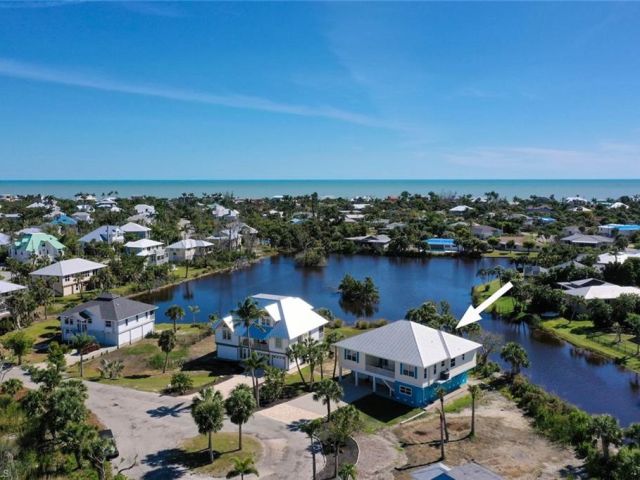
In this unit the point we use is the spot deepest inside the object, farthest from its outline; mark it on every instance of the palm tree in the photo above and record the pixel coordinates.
(297, 352)
(248, 313)
(634, 325)
(616, 328)
(240, 405)
(19, 343)
(443, 425)
(194, 309)
(514, 354)
(254, 363)
(80, 342)
(311, 428)
(11, 386)
(475, 392)
(167, 342)
(441, 394)
(330, 339)
(607, 429)
(348, 471)
(207, 411)
(175, 313)
(242, 467)
(327, 391)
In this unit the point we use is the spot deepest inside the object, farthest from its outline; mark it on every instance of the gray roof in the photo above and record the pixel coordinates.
(73, 266)
(410, 342)
(468, 471)
(109, 306)
(587, 239)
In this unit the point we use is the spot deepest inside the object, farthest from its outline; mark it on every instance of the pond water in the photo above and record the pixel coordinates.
(588, 381)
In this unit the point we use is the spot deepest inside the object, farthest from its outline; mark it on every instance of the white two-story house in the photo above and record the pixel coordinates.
(112, 320)
(188, 249)
(153, 252)
(68, 276)
(289, 320)
(408, 361)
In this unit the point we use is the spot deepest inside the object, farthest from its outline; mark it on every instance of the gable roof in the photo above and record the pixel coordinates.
(109, 306)
(409, 342)
(72, 266)
(590, 239)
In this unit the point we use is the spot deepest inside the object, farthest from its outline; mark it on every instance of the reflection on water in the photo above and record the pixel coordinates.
(592, 382)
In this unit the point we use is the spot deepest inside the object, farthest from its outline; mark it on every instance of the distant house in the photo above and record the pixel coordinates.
(377, 242)
(5, 239)
(615, 229)
(617, 205)
(582, 240)
(580, 209)
(153, 252)
(468, 471)
(82, 217)
(447, 245)
(86, 208)
(603, 291)
(187, 250)
(112, 320)
(407, 361)
(64, 221)
(543, 209)
(108, 234)
(219, 211)
(484, 231)
(141, 218)
(546, 220)
(7, 289)
(353, 217)
(621, 257)
(107, 203)
(227, 238)
(135, 230)
(31, 245)
(460, 210)
(289, 320)
(144, 209)
(576, 200)
(68, 276)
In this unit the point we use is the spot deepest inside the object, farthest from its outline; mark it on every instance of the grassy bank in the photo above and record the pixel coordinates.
(584, 335)
(503, 306)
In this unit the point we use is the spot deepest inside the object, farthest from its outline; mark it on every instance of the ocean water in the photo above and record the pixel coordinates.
(600, 189)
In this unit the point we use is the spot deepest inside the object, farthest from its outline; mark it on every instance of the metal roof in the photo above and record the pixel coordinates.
(109, 306)
(409, 342)
(68, 267)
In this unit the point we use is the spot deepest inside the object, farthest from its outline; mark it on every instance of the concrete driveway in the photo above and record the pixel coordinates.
(149, 427)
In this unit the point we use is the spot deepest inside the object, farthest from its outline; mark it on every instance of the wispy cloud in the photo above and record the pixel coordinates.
(27, 71)
(603, 160)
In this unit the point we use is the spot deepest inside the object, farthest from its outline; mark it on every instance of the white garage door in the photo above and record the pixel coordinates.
(279, 362)
(123, 339)
(136, 334)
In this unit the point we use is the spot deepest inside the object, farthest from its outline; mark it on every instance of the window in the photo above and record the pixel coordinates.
(406, 390)
(351, 355)
(442, 364)
(426, 372)
(435, 369)
(408, 370)
(126, 321)
(226, 334)
(453, 362)
(463, 357)
(278, 342)
(107, 323)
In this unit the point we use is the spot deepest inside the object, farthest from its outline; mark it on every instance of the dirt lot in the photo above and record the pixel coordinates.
(504, 442)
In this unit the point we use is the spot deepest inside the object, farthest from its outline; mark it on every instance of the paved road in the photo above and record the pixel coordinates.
(149, 427)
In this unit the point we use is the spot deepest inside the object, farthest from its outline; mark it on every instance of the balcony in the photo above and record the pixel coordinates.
(264, 347)
(380, 366)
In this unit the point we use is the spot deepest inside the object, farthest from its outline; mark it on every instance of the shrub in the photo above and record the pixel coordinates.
(156, 361)
(337, 323)
(181, 383)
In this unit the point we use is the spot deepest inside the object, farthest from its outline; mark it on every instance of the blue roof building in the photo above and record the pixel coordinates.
(65, 221)
(442, 244)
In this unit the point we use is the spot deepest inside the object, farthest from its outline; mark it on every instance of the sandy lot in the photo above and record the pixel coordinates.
(504, 442)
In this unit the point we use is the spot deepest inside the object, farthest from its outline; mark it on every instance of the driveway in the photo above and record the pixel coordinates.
(149, 427)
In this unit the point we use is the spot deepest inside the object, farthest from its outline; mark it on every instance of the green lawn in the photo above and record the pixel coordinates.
(155, 383)
(378, 412)
(503, 306)
(195, 456)
(458, 404)
(40, 332)
(583, 334)
(509, 254)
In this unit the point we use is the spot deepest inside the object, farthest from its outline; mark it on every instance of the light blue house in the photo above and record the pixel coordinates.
(64, 221)
(407, 361)
(447, 245)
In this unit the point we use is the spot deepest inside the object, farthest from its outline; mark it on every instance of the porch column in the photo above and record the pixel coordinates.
(340, 373)
(356, 377)
(375, 380)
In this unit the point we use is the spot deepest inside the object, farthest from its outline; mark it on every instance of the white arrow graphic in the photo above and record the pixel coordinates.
(473, 313)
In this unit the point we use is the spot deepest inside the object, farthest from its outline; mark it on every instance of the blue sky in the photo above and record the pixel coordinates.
(319, 90)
